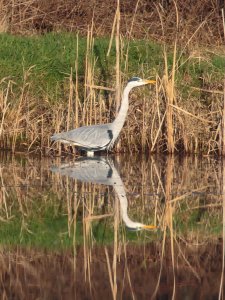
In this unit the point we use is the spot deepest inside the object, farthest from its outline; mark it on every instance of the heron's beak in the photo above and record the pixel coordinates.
(149, 227)
(149, 81)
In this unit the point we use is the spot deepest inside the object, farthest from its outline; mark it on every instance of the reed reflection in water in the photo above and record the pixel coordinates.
(183, 258)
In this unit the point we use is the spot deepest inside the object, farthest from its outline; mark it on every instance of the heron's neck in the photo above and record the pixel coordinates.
(120, 118)
(120, 191)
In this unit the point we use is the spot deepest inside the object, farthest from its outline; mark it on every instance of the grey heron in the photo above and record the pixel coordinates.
(102, 171)
(102, 136)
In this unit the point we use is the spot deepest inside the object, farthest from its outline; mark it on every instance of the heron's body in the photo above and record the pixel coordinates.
(101, 170)
(103, 136)
(89, 138)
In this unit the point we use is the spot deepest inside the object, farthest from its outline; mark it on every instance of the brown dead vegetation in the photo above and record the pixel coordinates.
(38, 16)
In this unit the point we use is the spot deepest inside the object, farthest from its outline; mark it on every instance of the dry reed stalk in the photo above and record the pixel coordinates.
(89, 100)
(181, 197)
(130, 283)
(168, 215)
(170, 90)
(223, 179)
(118, 75)
(223, 110)
(156, 116)
(126, 269)
(19, 109)
(109, 271)
(98, 217)
(112, 34)
(4, 26)
(161, 265)
(42, 134)
(115, 246)
(191, 115)
(144, 126)
(157, 133)
(90, 190)
(169, 86)
(207, 90)
(86, 79)
(76, 203)
(169, 116)
(129, 37)
(3, 196)
(223, 252)
(70, 100)
(77, 100)
(4, 105)
(69, 206)
(87, 241)
(187, 262)
(99, 87)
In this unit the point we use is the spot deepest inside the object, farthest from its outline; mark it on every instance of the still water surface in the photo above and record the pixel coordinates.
(67, 228)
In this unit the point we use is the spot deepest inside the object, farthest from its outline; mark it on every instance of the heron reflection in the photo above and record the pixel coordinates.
(102, 171)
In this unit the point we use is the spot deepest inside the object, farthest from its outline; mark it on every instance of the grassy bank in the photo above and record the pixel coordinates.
(51, 57)
(48, 85)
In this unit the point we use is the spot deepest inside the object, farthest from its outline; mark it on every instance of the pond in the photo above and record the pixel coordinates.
(76, 228)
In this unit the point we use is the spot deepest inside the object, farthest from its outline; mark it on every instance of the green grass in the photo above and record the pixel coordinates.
(52, 56)
(46, 226)
(48, 230)
(201, 221)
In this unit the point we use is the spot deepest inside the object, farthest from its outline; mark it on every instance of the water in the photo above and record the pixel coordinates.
(66, 228)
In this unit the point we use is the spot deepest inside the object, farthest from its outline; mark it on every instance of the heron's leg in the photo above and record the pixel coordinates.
(73, 149)
(90, 153)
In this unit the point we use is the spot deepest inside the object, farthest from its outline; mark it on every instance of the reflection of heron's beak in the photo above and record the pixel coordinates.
(149, 81)
(149, 227)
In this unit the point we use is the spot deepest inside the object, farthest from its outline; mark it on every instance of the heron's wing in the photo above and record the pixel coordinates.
(95, 136)
(95, 170)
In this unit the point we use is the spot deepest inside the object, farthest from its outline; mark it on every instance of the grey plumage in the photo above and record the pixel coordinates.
(101, 170)
(103, 136)
(89, 138)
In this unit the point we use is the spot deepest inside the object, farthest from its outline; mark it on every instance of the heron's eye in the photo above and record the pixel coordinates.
(135, 79)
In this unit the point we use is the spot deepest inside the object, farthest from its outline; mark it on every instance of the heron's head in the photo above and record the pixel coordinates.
(135, 226)
(136, 81)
